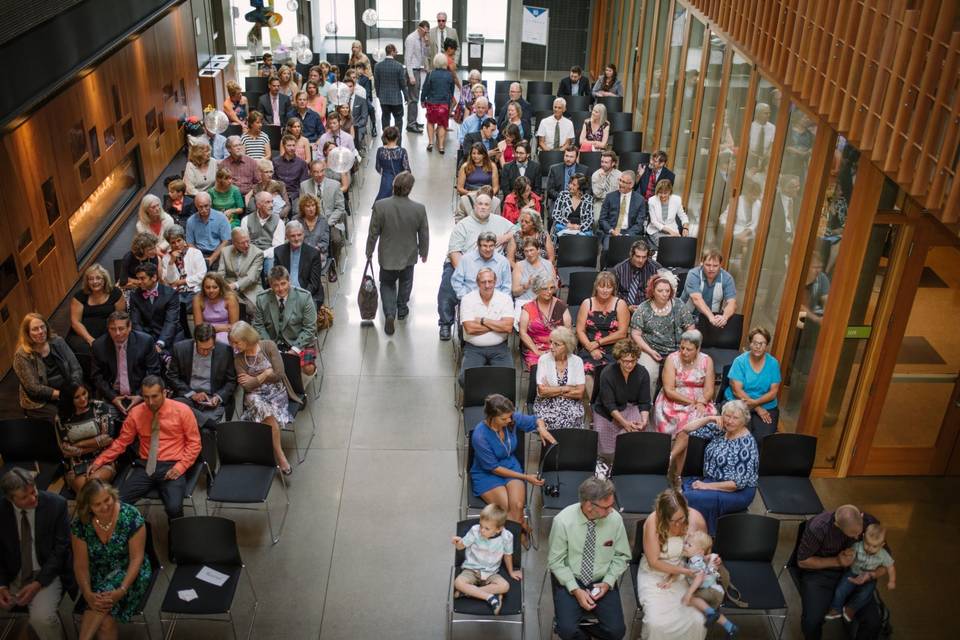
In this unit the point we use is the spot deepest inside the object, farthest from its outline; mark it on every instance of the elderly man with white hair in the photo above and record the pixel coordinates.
(471, 124)
(515, 94)
(265, 228)
(242, 168)
(241, 265)
(304, 263)
(555, 132)
(207, 229)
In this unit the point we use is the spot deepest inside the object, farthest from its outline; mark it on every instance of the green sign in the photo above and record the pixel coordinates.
(858, 332)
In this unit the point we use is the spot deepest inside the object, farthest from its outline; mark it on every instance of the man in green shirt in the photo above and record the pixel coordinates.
(588, 552)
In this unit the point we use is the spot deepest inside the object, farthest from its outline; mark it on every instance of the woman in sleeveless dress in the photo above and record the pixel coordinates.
(664, 616)
(216, 305)
(688, 386)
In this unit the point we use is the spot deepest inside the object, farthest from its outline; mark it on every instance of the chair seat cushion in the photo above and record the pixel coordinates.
(637, 493)
(757, 583)
(210, 600)
(790, 495)
(512, 601)
(471, 418)
(569, 485)
(241, 483)
(721, 357)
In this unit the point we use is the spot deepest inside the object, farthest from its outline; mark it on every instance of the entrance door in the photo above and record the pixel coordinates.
(917, 421)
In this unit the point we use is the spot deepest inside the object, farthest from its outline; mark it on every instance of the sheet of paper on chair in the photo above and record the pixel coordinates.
(187, 595)
(212, 576)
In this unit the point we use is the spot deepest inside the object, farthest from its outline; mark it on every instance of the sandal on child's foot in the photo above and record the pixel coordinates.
(710, 618)
(495, 604)
(732, 631)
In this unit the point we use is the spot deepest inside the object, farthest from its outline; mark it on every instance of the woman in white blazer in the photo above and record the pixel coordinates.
(667, 217)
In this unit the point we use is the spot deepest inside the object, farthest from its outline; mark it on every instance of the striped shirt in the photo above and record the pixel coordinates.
(256, 148)
(484, 554)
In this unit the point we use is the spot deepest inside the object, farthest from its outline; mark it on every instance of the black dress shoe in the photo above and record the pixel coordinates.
(402, 315)
(388, 326)
(444, 333)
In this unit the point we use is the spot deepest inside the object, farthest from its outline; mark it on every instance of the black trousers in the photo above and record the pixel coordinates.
(172, 492)
(386, 110)
(568, 615)
(395, 288)
(816, 592)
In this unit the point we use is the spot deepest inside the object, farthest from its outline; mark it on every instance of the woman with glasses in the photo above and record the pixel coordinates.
(623, 398)
(755, 379)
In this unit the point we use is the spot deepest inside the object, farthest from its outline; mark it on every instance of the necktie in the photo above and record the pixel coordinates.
(589, 551)
(761, 139)
(556, 136)
(651, 184)
(154, 445)
(26, 549)
(123, 380)
(274, 104)
(622, 218)
(633, 294)
(282, 302)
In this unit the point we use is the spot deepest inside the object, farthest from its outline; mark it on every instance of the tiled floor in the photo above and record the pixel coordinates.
(366, 551)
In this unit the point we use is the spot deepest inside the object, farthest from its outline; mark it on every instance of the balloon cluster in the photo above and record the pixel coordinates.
(369, 17)
(216, 121)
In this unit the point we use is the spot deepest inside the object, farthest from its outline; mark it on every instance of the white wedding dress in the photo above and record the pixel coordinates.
(664, 616)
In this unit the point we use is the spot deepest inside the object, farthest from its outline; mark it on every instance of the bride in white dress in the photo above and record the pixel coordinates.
(664, 616)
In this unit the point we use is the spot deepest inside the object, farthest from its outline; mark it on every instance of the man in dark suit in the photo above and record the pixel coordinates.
(274, 105)
(559, 174)
(515, 94)
(155, 308)
(575, 84)
(654, 173)
(624, 212)
(400, 225)
(121, 360)
(34, 575)
(390, 79)
(304, 263)
(202, 375)
(485, 136)
(522, 165)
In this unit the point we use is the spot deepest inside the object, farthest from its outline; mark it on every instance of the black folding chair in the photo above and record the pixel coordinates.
(623, 141)
(722, 343)
(471, 504)
(474, 610)
(612, 103)
(30, 443)
(631, 160)
(539, 87)
(693, 463)
(565, 466)
(257, 84)
(195, 543)
(618, 250)
(639, 470)
(246, 470)
(233, 130)
(150, 555)
(549, 158)
(620, 120)
(501, 93)
(275, 133)
(291, 366)
(786, 460)
(747, 543)
(253, 99)
(478, 383)
(577, 118)
(581, 288)
(591, 160)
(576, 253)
(541, 102)
(677, 253)
(578, 103)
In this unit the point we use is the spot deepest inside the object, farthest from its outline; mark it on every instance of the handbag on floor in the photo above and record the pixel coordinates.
(367, 297)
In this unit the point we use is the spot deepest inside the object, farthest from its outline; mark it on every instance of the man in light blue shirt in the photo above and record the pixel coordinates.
(208, 229)
(710, 290)
(464, 278)
(471, 124)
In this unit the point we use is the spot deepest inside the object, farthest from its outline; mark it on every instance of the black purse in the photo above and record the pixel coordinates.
(368, 297)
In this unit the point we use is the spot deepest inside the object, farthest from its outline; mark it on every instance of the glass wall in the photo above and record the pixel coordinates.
(678, 34)
(656, 76)
(688, 103)
(344, 15)
(760, 142)
(628, 71)
(734, 115)
(708, 117)
(488, 17)
(643, 58)
(791, 182)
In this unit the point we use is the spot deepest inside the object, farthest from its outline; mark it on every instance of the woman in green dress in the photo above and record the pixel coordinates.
(108, 539)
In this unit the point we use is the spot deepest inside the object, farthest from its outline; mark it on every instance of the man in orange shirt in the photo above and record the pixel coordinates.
(169, 445)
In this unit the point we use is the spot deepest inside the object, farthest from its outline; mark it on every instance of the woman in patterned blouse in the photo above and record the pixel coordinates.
(730, 462)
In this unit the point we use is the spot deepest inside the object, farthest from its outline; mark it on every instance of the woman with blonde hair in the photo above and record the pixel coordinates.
(358, 57)
(235, 106)
(596, 130)
(288, 85)
(151, 218)
(201, 171)
(91, 306)
(261, 373)
(45, 365)
(216, 304)
(109, 544)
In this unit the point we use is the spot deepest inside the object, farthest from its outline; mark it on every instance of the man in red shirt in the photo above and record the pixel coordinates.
(169, 445)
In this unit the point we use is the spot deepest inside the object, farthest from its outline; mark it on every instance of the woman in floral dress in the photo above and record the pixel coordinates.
(601, 322)
(108, 539)
(688, 386)
(560, 383)
(391, 160)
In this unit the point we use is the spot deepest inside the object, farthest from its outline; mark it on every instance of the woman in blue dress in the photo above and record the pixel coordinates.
(391, 160)
(730, 463)
(496, 474)
(109, 541)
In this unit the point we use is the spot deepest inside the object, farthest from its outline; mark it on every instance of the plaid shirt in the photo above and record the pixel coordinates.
(391, 82)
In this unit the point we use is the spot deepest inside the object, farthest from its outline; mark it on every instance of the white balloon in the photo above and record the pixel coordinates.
(340, 159)
(300, 42)
(216, 121)
(305, 56)
(282, 54)
(341, 94)
(292, 5)
(331, 27)
(369, 17)
(379, 55)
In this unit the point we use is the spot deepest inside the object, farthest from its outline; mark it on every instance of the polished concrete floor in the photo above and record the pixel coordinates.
(366, 549)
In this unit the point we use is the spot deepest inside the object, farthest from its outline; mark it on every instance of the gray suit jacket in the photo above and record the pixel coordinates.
(401, 226)
(434, 45)
(390, 80)
(244, 270)
(333, 208)
(298, 324)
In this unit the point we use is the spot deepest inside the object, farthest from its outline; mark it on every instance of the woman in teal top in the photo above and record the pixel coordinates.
(755, 378)
(108, 539)
(226, 198)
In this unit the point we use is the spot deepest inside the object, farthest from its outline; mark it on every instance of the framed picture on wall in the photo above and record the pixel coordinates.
(77, 137)
(50, 201)
(151, 120)
(109, 137)
(127, 130)
(85, 171)
(94, 144)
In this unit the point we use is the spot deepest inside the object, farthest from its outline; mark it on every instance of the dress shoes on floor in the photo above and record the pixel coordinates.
(388, 326)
